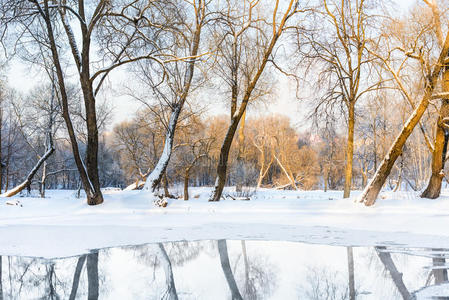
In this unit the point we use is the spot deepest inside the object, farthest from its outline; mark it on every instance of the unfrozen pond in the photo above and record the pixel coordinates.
(231, 270)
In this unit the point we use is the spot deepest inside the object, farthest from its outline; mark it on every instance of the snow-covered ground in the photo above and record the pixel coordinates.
(62, 225)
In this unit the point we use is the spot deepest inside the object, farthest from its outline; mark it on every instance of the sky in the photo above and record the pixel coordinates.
(285, 102)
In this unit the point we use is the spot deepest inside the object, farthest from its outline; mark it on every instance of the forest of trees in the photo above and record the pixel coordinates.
(375, 84)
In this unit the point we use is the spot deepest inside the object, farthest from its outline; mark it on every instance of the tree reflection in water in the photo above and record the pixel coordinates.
(237, 269)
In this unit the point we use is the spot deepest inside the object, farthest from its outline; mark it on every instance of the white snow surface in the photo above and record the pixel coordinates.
(62, 225)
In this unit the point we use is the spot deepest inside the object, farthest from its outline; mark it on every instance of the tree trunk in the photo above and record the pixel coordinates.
(372, 190)
(223, 160)
(226, 266)
(440, 146)
(155, 177)
(92, 276)
(351, 273)
(44, 177)
(186, 184)
(240, 162)
(76, 277)
(388, 263)
(166, 191)
(91, 186)
(349, 150)
(168, 270)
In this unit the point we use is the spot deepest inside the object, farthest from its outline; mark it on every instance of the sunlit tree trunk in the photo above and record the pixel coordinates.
(433, 188)
(349, 150)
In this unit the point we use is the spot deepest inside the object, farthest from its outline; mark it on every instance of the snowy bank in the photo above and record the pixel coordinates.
(62, 225)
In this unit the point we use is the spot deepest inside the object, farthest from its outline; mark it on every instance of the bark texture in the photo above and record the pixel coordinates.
(349, 151)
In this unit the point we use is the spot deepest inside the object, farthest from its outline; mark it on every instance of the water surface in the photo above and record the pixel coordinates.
(231, 270)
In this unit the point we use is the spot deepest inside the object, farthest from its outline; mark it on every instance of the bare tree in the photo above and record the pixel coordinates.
(50, 23)
(238, 33)
(338, 45)
(179, 87)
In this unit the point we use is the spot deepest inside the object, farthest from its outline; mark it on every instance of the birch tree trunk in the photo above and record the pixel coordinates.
(372, 190)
